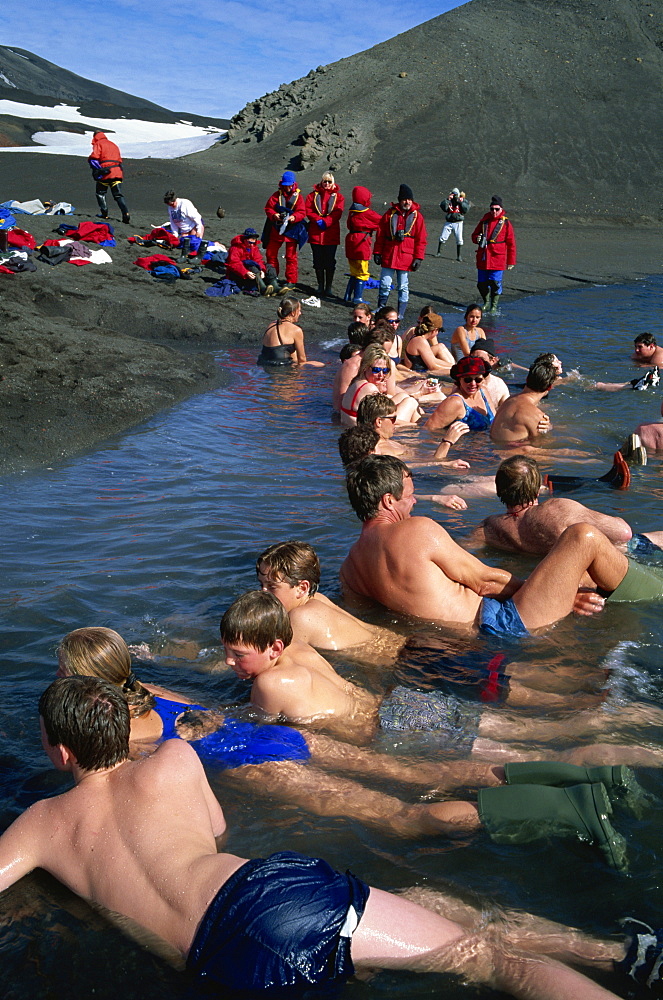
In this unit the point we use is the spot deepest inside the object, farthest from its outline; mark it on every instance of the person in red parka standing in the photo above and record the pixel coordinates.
(285, 211)
(107, 172)
(244, 264)
(324, 208)
(362, 223)
(399, 247)
(496, 250)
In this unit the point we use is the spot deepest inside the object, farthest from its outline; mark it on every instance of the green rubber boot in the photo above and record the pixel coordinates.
(619, 781)
(519, 814)
(494, 303)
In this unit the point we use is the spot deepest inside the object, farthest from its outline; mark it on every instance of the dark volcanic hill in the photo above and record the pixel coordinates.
(29, 79)
(553, 105)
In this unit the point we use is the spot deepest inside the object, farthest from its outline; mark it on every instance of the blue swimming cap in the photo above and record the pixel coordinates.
(288, 179)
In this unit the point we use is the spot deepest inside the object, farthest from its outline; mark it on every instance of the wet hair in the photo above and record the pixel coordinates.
(383, 311)
(349, 351)
(292, 562)
(358, 442)
(471, 308)
(357, 333)
(89, 717)
(328, 176)
(100, 652)
(169, 197)
(429, 324)
(373, 354)
(518, 481)
(541, 376)
(648, 339)
(425, 311)
(376, 405)
(256, 619)
(381, 333)
(371, 479)
(287, 306)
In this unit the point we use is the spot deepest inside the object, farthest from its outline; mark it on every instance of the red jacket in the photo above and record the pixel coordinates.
(240, 250)
(295, 202)
(362, 221)
(502, 252)
(108, 154)
(399, 253)
(327, 205)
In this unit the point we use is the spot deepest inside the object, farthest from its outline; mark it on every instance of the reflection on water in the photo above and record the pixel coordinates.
(154, 535)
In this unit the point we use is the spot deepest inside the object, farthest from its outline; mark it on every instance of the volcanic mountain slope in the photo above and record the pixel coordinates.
(28, 79)
(556, 106)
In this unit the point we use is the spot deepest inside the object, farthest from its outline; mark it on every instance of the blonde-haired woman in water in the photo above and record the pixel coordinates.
(375, 375)
(283, 341)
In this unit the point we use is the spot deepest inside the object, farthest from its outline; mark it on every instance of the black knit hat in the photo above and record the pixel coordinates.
(496, 200)
(405, 193)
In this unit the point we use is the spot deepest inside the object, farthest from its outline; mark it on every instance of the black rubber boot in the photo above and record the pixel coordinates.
(122, 205)
(618, 780)
(103, 206)
(329, 281)
(459, 249)
(320, 278)
(440, 244)
(185, 246)
(519, 814)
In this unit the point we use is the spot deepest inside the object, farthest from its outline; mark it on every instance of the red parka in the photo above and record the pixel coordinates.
(295, 201)
(396, 252)
(327, 205)
(241, 250)
(362, 222)
(500, 251)
(108, 154)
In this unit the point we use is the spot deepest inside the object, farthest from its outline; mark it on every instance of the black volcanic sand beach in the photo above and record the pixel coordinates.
(87, 352)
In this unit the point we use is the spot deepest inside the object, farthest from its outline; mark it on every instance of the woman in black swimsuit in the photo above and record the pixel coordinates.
(283, 342)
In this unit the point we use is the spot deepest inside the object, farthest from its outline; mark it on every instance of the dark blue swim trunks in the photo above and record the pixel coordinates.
(472, 675)
(640, 545)
(406, 710)
(285, 920)
(501, 618)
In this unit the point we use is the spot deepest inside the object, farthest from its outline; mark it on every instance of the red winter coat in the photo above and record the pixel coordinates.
(297, 209)
(241, 250)
(362, 221)
(327, 205)
(500, 254)
(399, 254)
(109, 155)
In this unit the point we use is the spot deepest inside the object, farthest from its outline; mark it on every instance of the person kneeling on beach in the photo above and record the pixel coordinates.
(245, 264)
(285, 920)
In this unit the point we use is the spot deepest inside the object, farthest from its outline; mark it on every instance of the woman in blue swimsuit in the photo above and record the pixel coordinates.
(469, 405)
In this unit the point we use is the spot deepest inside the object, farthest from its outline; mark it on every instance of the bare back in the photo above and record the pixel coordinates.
(138, 839)
(516, 420)
(404, 566)
(301, 686)
(537, 529)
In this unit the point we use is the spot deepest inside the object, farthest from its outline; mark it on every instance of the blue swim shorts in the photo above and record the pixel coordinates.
(407, 710)
(484, 274)
(473, 675)
(285, 920)
(501, 618)
(640, 545)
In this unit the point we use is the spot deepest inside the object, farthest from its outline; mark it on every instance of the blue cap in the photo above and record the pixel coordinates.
(288, 179)
(250, 234)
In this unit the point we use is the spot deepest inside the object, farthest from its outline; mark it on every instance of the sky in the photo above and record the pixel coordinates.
(209, 57)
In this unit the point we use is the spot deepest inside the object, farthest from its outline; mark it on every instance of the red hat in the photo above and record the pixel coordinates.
(469, 366)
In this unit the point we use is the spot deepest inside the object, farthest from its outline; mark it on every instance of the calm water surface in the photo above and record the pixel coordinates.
(157, 532)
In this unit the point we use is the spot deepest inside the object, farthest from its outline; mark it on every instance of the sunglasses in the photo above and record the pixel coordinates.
(473, 378)
(392, 417)
(380, 371)
(394, 322)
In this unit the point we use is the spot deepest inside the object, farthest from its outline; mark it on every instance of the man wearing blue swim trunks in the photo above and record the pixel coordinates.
(275, 922)
(414, 567)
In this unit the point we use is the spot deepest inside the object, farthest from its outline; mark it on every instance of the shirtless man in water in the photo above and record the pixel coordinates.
(287, 920)
(519, 417)
(414, 567)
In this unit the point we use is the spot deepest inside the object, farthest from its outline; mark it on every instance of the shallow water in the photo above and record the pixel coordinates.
(156, 533)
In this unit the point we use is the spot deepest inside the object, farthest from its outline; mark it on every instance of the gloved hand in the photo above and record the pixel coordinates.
(320, 223)
(415, 265)
(377, 257)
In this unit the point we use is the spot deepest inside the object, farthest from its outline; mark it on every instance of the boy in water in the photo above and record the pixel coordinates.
(286, 920)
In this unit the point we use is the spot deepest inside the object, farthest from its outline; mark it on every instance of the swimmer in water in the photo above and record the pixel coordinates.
(283, 341)
(162, 869)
